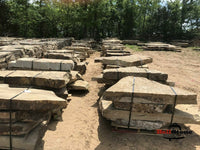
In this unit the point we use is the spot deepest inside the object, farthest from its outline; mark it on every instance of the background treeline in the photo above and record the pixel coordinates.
(126, 19)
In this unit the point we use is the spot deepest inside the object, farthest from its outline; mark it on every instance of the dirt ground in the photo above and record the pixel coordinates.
(83, 127)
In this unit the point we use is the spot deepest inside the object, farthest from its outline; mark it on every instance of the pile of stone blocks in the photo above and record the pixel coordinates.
(124, 61)
(14, 48)
(31, 110)
(113, 75)
(181, 43)
(42, 64)
(113, 47)
(150, 107)
(159, 46)
(38, 76)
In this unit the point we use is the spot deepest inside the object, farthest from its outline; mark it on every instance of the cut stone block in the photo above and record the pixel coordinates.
(23, 116)
(79, 85)
(75, 76)
(42, 64)
(66, 56)
(47, 79)
(127, 61)
(116, 74)
(147, 91)
(183, 114)
(30, 99)
(27, 142)
(25, 63)
(81, 67)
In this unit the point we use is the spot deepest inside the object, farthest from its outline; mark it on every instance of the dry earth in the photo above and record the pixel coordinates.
(83, 128)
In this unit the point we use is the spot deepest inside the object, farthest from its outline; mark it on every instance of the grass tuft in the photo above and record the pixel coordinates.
(134, 47)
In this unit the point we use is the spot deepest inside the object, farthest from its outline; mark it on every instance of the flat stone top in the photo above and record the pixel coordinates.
(130, 58)
(62, 54)
(132, 69)
(45, 60)
(31, 95)
(60, 51)
(28, 73)
(148, 88)
(27, 59)
(40, 74)
(76, 48)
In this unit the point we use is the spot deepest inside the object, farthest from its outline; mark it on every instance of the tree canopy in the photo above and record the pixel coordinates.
(126, 19)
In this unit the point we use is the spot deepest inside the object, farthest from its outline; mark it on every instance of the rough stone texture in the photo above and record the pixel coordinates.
(60, 51)
(29, 48)
(47, 79)
(75, 76)
(145, 108)
(140, 124)
(27, 142)
(30, 99)
(126, 61)
(66, 56)
(81, 67)
(42, 64)
(147, 91)
(158, 46)
(23, 116)
(117, 54)
(79, 85)
(111, 40)
(116, 74)
(183, 114)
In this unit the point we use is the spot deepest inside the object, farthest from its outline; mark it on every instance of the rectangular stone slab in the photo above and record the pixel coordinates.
(116, 74)
(47, 79)
(19, 128)
(117, 54)
(42, 64)
(126, 61)
(113, 47)
(29, 142)
(79, 85)
(117, 51)
(30, 100)
(23, 116)
(60, 51)
(53, 64)
(66, 56)
(183, 114)
(148, 90)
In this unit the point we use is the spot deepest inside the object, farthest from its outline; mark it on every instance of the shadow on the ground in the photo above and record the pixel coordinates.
(78, 93)
(131, 141)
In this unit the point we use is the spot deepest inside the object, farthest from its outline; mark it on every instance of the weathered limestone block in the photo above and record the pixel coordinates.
(42, 64)
(66, 56)
(127, 61)
(116, 74)
(27, 142)
(81, 67)
(30, 99)
(147, 91)
(183, 114)
(79, 85)
(75, 75)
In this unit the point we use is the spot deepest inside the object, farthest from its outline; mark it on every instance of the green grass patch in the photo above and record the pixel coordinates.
(134, 47)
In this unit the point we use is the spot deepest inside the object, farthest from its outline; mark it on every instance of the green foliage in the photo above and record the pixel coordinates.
(134, 47)
(126, 19)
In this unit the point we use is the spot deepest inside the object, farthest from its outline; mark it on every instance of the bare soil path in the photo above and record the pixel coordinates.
(83, 128)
